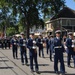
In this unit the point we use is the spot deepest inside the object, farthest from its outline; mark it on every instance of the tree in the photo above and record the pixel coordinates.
(10, 31)
(4, 18)
(7, 20)
(30, 10)
(52, 7)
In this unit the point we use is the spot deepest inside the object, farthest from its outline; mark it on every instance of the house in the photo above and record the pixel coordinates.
(38, 30)
(49, 28)
(64, 20)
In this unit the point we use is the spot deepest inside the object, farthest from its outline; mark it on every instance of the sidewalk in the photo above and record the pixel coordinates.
(10, 66)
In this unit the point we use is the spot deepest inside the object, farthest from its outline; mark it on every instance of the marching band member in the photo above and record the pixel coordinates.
(14, 43)
(51, 46)
(47, 43)
(73, 46)
(69, 45)
(64, 42)
(5, 42)
(40, 45)
(32, 52)
(8, 42)
(59, 49)
(22, 43)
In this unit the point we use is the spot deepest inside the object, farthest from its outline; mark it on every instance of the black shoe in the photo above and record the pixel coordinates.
(63, 73)
(22, 63)
(56, 72)
(43, 56)
(40, 56)
(69, 65)
(50, 59)
(16, 57)
(32, 70)
(26, 64)
(37, 72)
(74, 66)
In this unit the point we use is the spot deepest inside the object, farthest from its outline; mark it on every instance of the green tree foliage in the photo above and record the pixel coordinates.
(30, 10)
(10, 31)
(7, 20)
(52, 7)
(3, 17)
(21, 28)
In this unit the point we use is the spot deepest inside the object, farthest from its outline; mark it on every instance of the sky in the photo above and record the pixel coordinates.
(71, 4)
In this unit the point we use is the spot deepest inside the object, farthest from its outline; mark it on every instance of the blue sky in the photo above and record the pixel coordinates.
(71, 4)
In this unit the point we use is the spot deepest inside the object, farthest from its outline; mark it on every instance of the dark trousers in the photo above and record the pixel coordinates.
(2, 46)
(33, 57)
(47, 49)
(14, 50)
(41, 50)
(50, 55)
(24, 55)
(56, 59)
(5, 45)
(9, 45)
(74, 59)
(69, 58)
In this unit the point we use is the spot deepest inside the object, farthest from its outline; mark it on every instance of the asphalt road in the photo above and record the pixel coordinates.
(10, 66)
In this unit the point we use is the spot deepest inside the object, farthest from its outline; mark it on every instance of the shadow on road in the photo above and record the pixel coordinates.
(43, 64)
(54, 72)
(70, 74)
(6, 67)
(40, 64)
(4, 60)
(46, 71)
(2, 57)
(70, 62)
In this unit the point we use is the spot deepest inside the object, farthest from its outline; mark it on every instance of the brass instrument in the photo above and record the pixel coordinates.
(34, 46)
(73, 44)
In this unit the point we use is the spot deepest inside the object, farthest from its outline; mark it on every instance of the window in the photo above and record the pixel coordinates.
(68, 22)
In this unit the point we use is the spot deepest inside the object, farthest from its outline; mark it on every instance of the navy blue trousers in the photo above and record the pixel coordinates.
(61, 60)
(33, 57)
(24, 55)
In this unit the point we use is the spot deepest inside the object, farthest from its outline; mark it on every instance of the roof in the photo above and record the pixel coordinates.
(66, 12)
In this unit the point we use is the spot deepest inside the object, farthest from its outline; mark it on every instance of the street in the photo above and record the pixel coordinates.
(10, 66)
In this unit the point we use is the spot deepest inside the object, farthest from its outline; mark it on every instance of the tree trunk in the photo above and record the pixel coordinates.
(27, 32)
(27, 23)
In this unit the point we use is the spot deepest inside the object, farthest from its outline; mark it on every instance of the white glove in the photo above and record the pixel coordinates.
(72, 45)
(14, 43)
(23, 40)
(24, 45)
(34, 42)
(34, 47)
(41, 42)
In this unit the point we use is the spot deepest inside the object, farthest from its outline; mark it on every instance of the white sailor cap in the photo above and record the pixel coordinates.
(22, 33)
(32, 33)
(70, 33)
(57, 31)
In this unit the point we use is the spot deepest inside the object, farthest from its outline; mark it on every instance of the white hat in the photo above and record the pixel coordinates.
(32, 33)
(70, 33)
(22, 33)
(58, 31)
